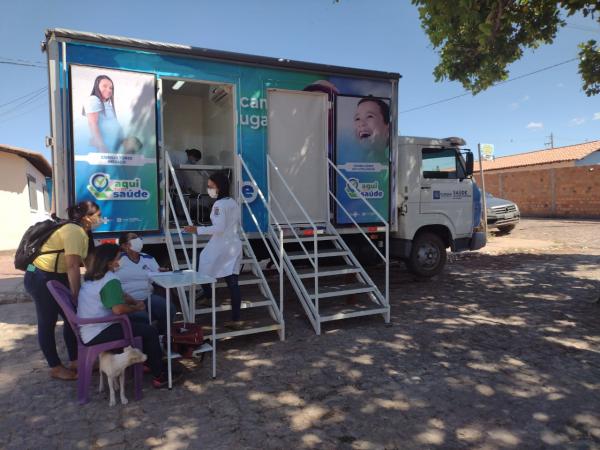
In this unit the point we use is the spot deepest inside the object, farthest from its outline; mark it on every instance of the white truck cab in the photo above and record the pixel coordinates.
(438, 203)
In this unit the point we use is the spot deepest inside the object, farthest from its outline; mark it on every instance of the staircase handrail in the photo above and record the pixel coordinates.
(385, 258)
(287, 187)
(314, 263)
(188, 218)
(260, 195)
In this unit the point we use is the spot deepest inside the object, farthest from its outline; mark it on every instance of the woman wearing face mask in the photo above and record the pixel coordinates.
(222, 256)
(134, 274)
(102, 295)
(60, 259)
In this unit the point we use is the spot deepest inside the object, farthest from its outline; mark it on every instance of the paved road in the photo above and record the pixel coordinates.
(501, 352)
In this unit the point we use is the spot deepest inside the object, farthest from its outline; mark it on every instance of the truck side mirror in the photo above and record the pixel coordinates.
(469, 161)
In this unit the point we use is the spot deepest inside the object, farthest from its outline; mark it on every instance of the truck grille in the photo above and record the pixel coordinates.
(504, 209)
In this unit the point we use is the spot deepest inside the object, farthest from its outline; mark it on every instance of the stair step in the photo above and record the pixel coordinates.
(255, 321)
(244, 261)
(225, 305)
(320, 237)
(243, 280)
(327, 271)
(340, 290)
(321, 254)
(348, 314)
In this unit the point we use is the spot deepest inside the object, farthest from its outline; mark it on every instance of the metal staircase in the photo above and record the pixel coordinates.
(327, 278)
(260, 311)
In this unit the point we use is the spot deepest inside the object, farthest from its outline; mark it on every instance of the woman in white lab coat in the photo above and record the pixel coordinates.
(222, 256)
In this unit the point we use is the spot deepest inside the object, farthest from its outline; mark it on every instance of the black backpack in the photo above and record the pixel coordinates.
(33, 240)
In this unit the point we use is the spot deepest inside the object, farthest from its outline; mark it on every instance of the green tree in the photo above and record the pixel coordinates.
(478, 39)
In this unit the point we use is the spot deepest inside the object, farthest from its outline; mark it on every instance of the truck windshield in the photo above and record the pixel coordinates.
(439, 163)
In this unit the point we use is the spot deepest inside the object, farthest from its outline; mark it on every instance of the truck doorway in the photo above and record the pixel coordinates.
(297, 146)
(198, 131)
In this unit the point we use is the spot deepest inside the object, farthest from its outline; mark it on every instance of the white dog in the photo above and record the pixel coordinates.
(114, 365)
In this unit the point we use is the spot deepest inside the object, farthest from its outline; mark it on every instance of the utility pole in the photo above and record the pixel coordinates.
(551, 143)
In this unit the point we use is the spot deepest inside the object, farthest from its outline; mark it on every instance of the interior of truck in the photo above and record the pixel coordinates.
(199, 134)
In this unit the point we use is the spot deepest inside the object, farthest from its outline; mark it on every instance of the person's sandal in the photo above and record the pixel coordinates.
(162, 381)
(62, 373)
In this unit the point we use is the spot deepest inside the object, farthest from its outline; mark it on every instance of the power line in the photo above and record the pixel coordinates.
(22, 62)
(21, 113)
(494, 85)
(28, 101)
(23, 96)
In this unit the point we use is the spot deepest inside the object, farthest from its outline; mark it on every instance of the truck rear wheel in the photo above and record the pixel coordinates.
(427, 256)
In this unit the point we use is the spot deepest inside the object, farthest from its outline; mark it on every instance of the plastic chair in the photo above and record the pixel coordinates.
(87, 354)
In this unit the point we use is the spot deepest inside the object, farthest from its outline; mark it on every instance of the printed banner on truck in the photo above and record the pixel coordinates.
(115, 153)
(362, 155)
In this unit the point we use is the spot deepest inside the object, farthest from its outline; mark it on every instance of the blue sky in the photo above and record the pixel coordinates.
(375, 34)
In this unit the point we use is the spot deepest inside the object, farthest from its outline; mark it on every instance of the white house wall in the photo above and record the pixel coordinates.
(17, 215)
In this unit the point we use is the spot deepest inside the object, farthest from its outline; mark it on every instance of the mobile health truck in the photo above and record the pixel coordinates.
(312, 151)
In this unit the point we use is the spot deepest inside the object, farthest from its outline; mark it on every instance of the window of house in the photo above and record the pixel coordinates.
(439, 163)
(31, 185)
(46, 198)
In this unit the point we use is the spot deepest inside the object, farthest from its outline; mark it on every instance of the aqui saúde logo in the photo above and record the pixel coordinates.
(103, 188)
(367, 190)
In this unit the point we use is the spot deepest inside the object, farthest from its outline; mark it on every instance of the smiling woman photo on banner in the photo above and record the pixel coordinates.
(114, 140)
(106, 133)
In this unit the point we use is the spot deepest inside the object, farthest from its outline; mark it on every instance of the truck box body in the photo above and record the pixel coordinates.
(220, 107)
(119, 106)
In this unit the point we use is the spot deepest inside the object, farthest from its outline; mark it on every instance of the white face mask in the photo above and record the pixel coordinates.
(136, 245)
(212, 192)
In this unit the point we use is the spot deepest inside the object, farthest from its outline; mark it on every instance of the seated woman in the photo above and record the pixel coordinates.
(101, 295)
(134, 273)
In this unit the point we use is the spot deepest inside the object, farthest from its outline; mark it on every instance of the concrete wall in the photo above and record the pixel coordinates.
(553, 192)
(17, 215)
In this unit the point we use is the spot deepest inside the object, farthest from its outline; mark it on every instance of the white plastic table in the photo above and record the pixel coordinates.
(169, 280)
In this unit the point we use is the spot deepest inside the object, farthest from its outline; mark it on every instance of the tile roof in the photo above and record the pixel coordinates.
(36, 159)
(547, 156)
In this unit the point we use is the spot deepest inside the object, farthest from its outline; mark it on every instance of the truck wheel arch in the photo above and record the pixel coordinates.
(441, 230)
(428, 254)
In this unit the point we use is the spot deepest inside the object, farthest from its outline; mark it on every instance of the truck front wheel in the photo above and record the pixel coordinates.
(428, 255)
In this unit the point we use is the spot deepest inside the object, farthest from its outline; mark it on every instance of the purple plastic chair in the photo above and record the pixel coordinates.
(87, 354)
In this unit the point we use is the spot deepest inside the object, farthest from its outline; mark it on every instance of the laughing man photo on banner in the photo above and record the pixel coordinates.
(372, 128)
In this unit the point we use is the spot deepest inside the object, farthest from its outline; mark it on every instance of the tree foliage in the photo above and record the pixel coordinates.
(478, 39)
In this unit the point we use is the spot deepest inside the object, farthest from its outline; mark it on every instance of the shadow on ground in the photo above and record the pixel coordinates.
(500, 352)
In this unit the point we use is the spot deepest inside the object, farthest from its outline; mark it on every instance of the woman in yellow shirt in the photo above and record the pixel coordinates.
(66, 249)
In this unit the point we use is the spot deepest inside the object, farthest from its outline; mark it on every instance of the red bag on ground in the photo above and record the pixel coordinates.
(186, 337)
